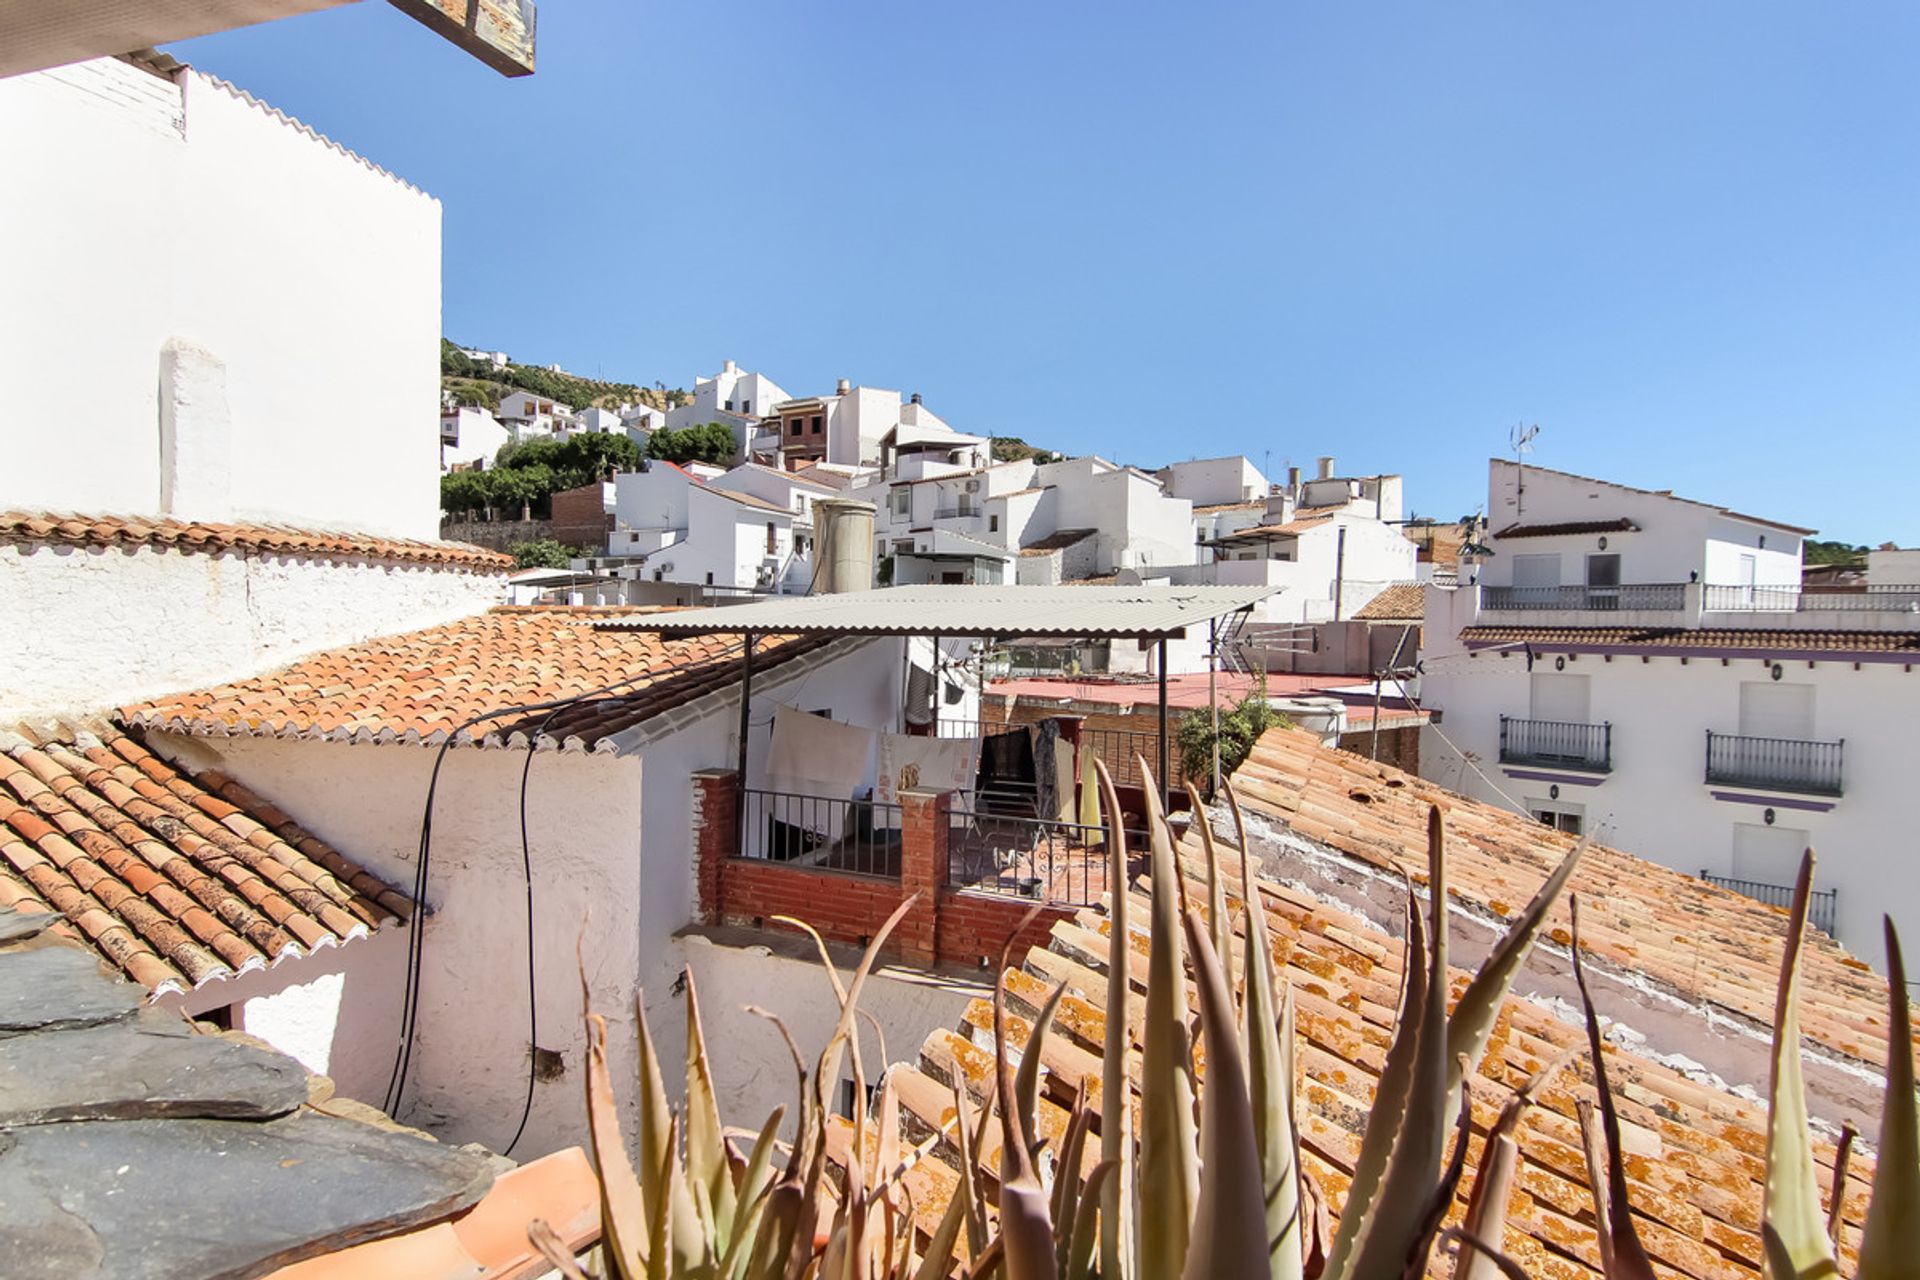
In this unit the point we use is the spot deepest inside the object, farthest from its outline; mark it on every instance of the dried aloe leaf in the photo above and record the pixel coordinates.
(1890, 1244)
(1792, 1204)
(1620, 1247)
(1118, 1260)
(1169, 1169)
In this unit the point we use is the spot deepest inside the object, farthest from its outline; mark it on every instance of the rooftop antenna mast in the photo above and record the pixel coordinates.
(1520, 440)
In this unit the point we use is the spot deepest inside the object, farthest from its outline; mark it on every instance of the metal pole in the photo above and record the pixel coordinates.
(746, 705)
(1339, 568)
(1213, 696)
(1163, 720)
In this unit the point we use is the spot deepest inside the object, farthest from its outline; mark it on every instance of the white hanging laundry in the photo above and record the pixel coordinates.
(935, 764)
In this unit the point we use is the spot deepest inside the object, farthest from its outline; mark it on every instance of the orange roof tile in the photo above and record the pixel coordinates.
(421, 686)
(1694, 1147)
(177, 877)
(1058, 540)
(1401, 602)
(1298, 525)
(264, 539)
(1706, 642)
(1702, 943)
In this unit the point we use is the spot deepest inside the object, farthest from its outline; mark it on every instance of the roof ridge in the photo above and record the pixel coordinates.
(302, 126)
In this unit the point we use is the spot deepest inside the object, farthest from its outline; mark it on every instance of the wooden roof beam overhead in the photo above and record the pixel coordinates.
(498, 32)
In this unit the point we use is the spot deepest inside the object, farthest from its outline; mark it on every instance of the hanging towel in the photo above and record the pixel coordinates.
(936, 764)
(1089, 789)
(1047, 748)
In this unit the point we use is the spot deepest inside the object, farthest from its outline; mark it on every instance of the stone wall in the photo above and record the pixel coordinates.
(496, 535)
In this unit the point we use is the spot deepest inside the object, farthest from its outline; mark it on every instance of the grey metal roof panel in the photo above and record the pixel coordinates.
(1086, 611)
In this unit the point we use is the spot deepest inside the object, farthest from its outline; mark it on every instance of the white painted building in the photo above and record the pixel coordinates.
(749, 529)
(1210, 482)
(212, 276)
(1648, 667)
(527, 415)
(470, 436)
(852, 427)
(733, 393)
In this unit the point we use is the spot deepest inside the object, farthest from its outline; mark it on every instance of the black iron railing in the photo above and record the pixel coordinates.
(1022, 857)
(1780, 764)
(858, 836)
(1821, 903)
(1116, 748)
(1567, 744)
(1793, 598)
(1629, 597)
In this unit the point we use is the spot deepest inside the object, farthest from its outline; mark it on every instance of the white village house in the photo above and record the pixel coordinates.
(1650, 668)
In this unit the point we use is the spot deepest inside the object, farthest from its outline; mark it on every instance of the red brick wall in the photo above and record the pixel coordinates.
(1398, 747)
(944, 925)
(580, 518)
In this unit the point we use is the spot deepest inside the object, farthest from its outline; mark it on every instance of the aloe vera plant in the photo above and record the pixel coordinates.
(1213, 1184)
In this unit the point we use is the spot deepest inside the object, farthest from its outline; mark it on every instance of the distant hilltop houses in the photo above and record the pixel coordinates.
(717, 495)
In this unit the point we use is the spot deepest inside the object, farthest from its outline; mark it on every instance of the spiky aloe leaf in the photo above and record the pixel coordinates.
(1837, 1198)
(1230, 1220)
(1890, 1245)
(1792, 1206)
(1394, 1235)
(623, 1206)
(1471, 1025)
(1086, 1227)
(547, 1242)
(756, 1178)
(1026, 1227)
(1026, 1083)
(1620, 1247)
(708, 1173)
(1118, 1260)
(669, 1201)
(1269, 1033)
(1485, 1225)
(1220, 928)
(1389, 1100)
(938, 1262)
(1169, 1171)
(1066, 1180)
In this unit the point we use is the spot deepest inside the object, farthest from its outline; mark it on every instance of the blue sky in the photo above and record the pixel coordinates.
(1684, 239)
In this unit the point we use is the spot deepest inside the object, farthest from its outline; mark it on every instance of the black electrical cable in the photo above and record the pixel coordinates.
(410, 1007)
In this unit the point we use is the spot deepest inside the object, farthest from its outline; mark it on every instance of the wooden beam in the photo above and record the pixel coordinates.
(498, 32)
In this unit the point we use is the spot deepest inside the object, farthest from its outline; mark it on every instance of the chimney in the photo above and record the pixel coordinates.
(731, 367)
(1326, 469)
(843, 387)
(916, 397)
(844, 545)
(1293, 480)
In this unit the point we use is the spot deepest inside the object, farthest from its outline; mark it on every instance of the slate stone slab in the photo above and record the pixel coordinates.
(150, 1067)
(18, 926)
(56, 987)
(219, 1199)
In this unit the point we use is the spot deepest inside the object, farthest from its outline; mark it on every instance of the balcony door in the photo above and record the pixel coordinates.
(1559, 697)
(1767, 855)
(1769, 710)
(1603, 581)
(1536, 571)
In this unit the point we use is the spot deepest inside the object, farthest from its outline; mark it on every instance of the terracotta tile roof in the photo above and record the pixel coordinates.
(1621, 525)
(1401, 602)
(260, 539)
(747, 499)
(1252, 504)
(1298, 525)
(1704, 944)
(1059, 540)
(1695, 1149)
(419, 687)
(1708, 642)
(178, 878)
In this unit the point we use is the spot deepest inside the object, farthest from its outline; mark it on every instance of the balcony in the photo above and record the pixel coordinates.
(1775, 764)
(1628, 597)
(965, 511)
(1821, 903)
(1561, 744)
(1793, 598)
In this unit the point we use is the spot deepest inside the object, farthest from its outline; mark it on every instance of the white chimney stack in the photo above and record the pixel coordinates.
(843, 387)
(1326, 468)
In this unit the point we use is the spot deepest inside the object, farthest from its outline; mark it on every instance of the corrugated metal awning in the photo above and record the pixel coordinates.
(1087, 612)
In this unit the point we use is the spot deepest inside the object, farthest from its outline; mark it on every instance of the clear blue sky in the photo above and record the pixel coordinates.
(1684, 239)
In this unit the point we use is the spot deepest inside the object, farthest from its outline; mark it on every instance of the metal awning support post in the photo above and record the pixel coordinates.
(746, 706)
(1213, 698)
(1163, 721)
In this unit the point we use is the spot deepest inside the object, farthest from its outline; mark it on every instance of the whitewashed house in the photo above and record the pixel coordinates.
(733, 393)
(470, 436)
(1650, 668)
(527, 415)
(853, 427)
(740, 531)
(228, 518)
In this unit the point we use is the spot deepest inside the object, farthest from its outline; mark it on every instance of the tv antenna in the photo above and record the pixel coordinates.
(1520, 440)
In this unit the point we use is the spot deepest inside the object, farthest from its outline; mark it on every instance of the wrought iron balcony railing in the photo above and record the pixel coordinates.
(1781, 764)
(1564, 744)
(1628, 597)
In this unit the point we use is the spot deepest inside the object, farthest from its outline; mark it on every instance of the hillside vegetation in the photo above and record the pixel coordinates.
(475, 382)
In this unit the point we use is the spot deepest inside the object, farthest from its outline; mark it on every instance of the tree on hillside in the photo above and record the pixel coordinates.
(709, 442)
(1014, 449)
(1818, 551)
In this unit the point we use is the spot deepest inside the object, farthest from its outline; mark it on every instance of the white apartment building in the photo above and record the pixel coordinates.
(1650, 668)
(1331, 544)
(749, 529)
(526, 415)
(855, 426)
(470, 436)
(733, 393)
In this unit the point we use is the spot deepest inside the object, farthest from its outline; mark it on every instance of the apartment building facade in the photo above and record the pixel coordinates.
(1650, 668)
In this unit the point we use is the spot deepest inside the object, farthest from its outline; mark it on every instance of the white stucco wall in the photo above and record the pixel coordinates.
(93, 627)
(1893, 566)
(468, 1076)
(186, 212)
(479, 436)
(1209, 481)
(1656, 803)
(753, 1073)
